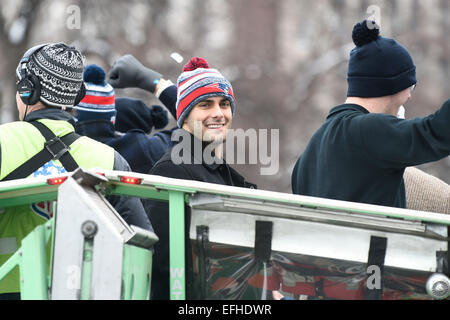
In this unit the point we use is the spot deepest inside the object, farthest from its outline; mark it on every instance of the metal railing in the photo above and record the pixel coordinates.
(86, 251)
(201, 197)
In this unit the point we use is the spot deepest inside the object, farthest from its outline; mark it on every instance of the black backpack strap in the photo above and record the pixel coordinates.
(55, 148)
(58, 147)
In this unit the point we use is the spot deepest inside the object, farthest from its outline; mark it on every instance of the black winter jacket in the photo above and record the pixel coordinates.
(159, 211)
(361, 157)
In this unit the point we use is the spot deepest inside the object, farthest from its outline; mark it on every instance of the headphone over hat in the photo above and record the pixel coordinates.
(52, 74)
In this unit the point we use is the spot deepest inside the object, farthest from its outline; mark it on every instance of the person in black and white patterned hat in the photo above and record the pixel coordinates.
(59, 69)
(50, 75)
(49, 82)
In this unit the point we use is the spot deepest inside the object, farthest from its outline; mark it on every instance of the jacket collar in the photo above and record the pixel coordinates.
(192, 147)
(347, 107)
(100, 129)
(52, 114)
(236, 178)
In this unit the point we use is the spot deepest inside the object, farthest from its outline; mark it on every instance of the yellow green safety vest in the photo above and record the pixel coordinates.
(19, 141)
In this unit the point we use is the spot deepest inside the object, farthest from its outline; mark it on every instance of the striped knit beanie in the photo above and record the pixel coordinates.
(59, 69)
(197, 83)
(99, 101)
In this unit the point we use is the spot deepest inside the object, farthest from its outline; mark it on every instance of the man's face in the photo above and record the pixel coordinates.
(210, 119)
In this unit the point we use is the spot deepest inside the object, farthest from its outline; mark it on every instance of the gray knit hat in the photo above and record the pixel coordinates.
(59, 69)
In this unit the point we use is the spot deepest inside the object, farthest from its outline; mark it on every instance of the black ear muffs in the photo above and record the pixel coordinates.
(80, 94)
(29, 89)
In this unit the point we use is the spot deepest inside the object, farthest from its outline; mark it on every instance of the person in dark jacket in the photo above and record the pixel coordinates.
(361, 151)
(204, 109)
(124, 123)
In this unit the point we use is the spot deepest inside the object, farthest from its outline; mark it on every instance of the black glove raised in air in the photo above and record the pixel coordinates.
(128, 72)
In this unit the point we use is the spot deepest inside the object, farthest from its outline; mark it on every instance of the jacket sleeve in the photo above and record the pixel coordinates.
(425, 192)
(130, 208)
(398, 143)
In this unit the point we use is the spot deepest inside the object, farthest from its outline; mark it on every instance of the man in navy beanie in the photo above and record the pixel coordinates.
(122, 123)
(361, 151)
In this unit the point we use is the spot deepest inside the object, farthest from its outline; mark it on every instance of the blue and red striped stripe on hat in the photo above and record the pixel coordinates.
(99, 101)
(197, 83)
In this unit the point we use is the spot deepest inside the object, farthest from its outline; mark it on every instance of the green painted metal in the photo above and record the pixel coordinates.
(138, 191)
(31, 258)
(25, 199)
(13, 195)
(33, 267)
(86, 271)
(10, 264)
(21, 188)
(176, 242)
(50, 239)
(305, 202)
(35, 277)
(136, 273)
(159, 191)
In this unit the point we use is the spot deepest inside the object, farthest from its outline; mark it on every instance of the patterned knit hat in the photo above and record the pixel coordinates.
(99, 101)
(197, 83)
(59, 69)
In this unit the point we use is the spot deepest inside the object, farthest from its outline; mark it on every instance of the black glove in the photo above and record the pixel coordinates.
(128, 72)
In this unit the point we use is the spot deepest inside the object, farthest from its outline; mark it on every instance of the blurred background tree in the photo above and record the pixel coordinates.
(287, 59)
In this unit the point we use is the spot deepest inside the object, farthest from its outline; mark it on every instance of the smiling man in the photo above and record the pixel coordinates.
(205, 107)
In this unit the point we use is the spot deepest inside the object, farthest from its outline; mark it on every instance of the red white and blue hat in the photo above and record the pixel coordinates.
(197, 83)
(99, 101)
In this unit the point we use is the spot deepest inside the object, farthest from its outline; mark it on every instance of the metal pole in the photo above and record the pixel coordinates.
(177, 245)
(33, 267)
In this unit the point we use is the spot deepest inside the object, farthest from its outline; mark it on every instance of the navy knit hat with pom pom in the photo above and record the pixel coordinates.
(198, 82)
(378, 66)
(134, 114)
(99, 101)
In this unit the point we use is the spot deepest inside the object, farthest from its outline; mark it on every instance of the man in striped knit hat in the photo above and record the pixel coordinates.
(204, 108)
(99, 101)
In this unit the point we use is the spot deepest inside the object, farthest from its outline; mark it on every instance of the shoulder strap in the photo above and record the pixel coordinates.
(55, 148)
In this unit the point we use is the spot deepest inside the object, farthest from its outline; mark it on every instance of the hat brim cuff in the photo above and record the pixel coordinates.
(367, 87)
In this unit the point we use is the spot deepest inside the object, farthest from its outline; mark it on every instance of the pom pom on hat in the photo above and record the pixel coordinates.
(195, 63)
(159, 117)
(378, 66)
(134, 114)
(363, 33)
(94, 74)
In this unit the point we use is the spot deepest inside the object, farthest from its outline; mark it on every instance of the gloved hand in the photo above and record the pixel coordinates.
(128, 72)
